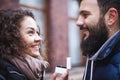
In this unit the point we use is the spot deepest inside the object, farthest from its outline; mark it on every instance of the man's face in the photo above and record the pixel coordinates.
(93, 29)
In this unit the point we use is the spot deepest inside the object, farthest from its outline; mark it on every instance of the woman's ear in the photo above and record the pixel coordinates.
(111, 16)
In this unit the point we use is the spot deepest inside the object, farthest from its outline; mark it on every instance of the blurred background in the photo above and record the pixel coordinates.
(57, 22)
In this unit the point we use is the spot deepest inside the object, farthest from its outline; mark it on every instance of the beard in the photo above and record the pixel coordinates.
(98, 36)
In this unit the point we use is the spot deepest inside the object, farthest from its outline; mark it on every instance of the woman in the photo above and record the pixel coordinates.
(20, 40)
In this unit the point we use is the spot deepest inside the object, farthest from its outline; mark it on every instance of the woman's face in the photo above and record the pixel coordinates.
(30, 34)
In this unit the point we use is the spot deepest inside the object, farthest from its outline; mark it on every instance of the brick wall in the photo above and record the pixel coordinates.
(9, 4)
(57, 32)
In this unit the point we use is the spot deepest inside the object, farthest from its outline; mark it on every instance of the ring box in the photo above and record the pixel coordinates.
(60, 69)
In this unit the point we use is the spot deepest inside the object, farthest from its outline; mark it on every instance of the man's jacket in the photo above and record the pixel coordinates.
(105, 63)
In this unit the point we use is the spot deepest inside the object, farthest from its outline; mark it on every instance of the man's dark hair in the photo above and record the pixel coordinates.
(105, 5)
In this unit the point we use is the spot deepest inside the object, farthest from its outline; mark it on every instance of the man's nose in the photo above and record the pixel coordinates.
(80, 21)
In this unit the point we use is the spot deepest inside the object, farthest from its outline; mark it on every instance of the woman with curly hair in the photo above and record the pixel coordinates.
(20, 57)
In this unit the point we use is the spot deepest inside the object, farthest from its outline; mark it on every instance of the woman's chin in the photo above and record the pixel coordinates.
(35, 54)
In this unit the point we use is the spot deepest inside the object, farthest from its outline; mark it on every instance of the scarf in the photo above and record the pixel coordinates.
(31, 67)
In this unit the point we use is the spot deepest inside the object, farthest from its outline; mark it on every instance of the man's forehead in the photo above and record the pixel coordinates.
(88, 4)
(91, 2)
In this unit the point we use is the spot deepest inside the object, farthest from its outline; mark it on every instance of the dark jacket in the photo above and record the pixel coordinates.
(9, 71)
(106, 64)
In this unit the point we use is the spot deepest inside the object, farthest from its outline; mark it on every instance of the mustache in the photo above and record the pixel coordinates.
(81, 28)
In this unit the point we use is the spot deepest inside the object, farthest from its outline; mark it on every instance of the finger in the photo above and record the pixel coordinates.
(64, 76)
(54, 76)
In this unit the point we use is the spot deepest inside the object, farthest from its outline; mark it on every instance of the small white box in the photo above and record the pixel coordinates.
(60, 70)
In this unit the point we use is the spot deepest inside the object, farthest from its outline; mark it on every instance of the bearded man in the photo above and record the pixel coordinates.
(99, 22)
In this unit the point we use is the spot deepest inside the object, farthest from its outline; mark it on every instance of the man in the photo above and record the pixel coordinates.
(99, 22)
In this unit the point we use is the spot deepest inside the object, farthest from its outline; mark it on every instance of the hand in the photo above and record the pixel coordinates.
(62, 77)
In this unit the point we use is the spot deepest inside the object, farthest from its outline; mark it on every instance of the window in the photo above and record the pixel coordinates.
(74, 34)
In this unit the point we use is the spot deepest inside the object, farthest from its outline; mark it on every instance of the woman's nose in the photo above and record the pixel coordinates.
(38, 38)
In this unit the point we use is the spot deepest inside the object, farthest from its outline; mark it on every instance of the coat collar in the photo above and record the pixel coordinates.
(107, 47)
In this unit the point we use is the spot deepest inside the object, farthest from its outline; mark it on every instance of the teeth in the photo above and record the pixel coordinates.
(37, 46)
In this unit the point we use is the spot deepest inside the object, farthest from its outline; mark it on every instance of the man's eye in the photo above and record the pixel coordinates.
(85, 15)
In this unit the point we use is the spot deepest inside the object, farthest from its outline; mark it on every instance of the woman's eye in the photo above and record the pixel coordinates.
(38, 33)
(30, 32)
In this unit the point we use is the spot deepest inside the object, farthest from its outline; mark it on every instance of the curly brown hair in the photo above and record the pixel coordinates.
(11, 43)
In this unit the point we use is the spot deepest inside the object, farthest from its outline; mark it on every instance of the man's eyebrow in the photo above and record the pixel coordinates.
(84, 12)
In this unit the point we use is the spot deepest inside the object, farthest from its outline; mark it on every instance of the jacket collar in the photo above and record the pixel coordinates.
(107, 47)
